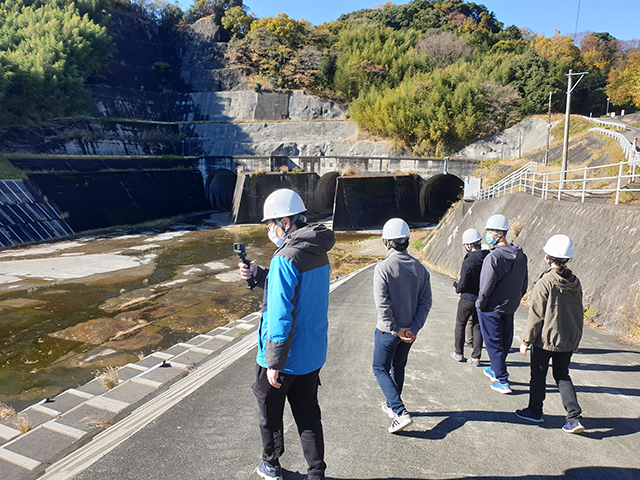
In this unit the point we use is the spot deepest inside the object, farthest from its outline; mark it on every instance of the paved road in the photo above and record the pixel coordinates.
(461, 427)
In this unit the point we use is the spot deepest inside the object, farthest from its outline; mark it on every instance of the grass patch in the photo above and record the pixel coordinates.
(9, 172)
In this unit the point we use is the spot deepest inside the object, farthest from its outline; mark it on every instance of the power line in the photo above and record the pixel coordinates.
(575, 34)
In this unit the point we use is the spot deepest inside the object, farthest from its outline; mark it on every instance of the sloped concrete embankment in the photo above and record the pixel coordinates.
(606, 243)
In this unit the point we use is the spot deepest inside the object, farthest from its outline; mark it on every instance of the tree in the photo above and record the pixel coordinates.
(559, 48)
(217, 8)
(601, 51)
(501, 107)
(624, 82)
(443, 48)
(237, 22)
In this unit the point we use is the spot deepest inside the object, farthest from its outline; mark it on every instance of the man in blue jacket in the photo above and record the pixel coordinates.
(292, 343)
(503, 283)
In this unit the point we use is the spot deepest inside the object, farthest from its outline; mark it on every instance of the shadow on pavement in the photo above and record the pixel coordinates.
(597, 428)
(583, 473)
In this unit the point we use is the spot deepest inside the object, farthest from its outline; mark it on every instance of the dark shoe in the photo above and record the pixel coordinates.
(468, 344)
(527, 415)
(268, 472)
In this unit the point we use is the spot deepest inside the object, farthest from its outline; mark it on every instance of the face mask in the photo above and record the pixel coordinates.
(546, 259)
(490, 240)
(274, 238)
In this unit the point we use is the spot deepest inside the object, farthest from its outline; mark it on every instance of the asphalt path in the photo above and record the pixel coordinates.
(461, 429)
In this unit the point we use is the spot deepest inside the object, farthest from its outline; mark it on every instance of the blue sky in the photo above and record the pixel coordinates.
(542, 16)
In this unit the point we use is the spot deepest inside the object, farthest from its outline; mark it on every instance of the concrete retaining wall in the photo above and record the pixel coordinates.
(104, 199)
(253, 189)
(368, 202)
(606, 242)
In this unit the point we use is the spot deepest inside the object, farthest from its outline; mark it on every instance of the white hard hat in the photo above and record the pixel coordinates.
(282, 203)
(395, 229)
(471, 235)
(559, 246)
(497, 222)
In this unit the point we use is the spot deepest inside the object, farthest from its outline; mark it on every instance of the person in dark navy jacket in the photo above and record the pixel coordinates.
(292, 344)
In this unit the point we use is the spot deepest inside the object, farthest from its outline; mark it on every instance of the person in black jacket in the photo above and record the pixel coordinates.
(468, 287)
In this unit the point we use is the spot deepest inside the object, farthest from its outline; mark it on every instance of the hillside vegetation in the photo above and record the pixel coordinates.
(431, 75)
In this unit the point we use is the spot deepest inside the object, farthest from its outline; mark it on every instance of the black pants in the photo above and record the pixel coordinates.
(538, 383)
(466, 310)
(302, 393)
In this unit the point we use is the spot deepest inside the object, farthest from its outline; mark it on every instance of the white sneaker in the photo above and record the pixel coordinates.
(400, 423)
(387, 410)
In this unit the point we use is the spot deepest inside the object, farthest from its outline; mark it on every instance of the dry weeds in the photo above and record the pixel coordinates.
(6, 411)
(101, 420)
(108, 377)
(22, 423)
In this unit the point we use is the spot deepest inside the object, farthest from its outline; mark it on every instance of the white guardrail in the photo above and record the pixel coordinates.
(581, 182)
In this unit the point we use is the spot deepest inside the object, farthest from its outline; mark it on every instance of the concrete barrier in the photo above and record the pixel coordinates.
(606, 243)
(366, 202)
(252, 190)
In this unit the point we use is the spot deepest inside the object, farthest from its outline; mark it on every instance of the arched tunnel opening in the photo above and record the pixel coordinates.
(219, 189)
(326, 191)
(438, 194)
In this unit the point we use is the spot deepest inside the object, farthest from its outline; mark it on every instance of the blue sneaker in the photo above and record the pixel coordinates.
(573, 427)
(489, 373)
(501, 387)
(527, 415)
(268, 472)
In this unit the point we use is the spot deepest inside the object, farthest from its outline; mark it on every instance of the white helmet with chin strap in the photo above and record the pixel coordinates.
(471, 235)
(282, 203)
(559, 246)
(395, 229)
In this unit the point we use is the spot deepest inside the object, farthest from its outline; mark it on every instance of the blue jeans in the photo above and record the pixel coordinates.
(497, 332)
(389, 360)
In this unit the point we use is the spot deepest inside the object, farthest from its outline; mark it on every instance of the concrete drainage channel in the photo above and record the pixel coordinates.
(146, 389)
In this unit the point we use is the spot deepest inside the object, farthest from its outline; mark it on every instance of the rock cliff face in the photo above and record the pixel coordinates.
(171, 92)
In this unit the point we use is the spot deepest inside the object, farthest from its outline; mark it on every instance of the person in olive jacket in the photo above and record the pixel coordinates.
(554, 330)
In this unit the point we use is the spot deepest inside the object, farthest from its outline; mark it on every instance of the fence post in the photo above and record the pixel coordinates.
(584, 183)
(559, 186)
(619, 182)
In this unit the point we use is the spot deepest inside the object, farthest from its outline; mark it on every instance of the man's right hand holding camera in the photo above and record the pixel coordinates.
(248, 271)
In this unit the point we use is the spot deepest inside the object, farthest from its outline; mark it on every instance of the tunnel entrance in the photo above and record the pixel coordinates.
(438, 193)
(219, 189)
(326, 191)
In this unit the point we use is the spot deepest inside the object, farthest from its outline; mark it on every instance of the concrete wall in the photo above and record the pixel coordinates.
(252, 190)
(606, 241)
(367, 202)
(116, 102)
(104, 199)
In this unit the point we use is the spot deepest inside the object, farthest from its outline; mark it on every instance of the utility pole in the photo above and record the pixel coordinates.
(546, 153)
(565, 145)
